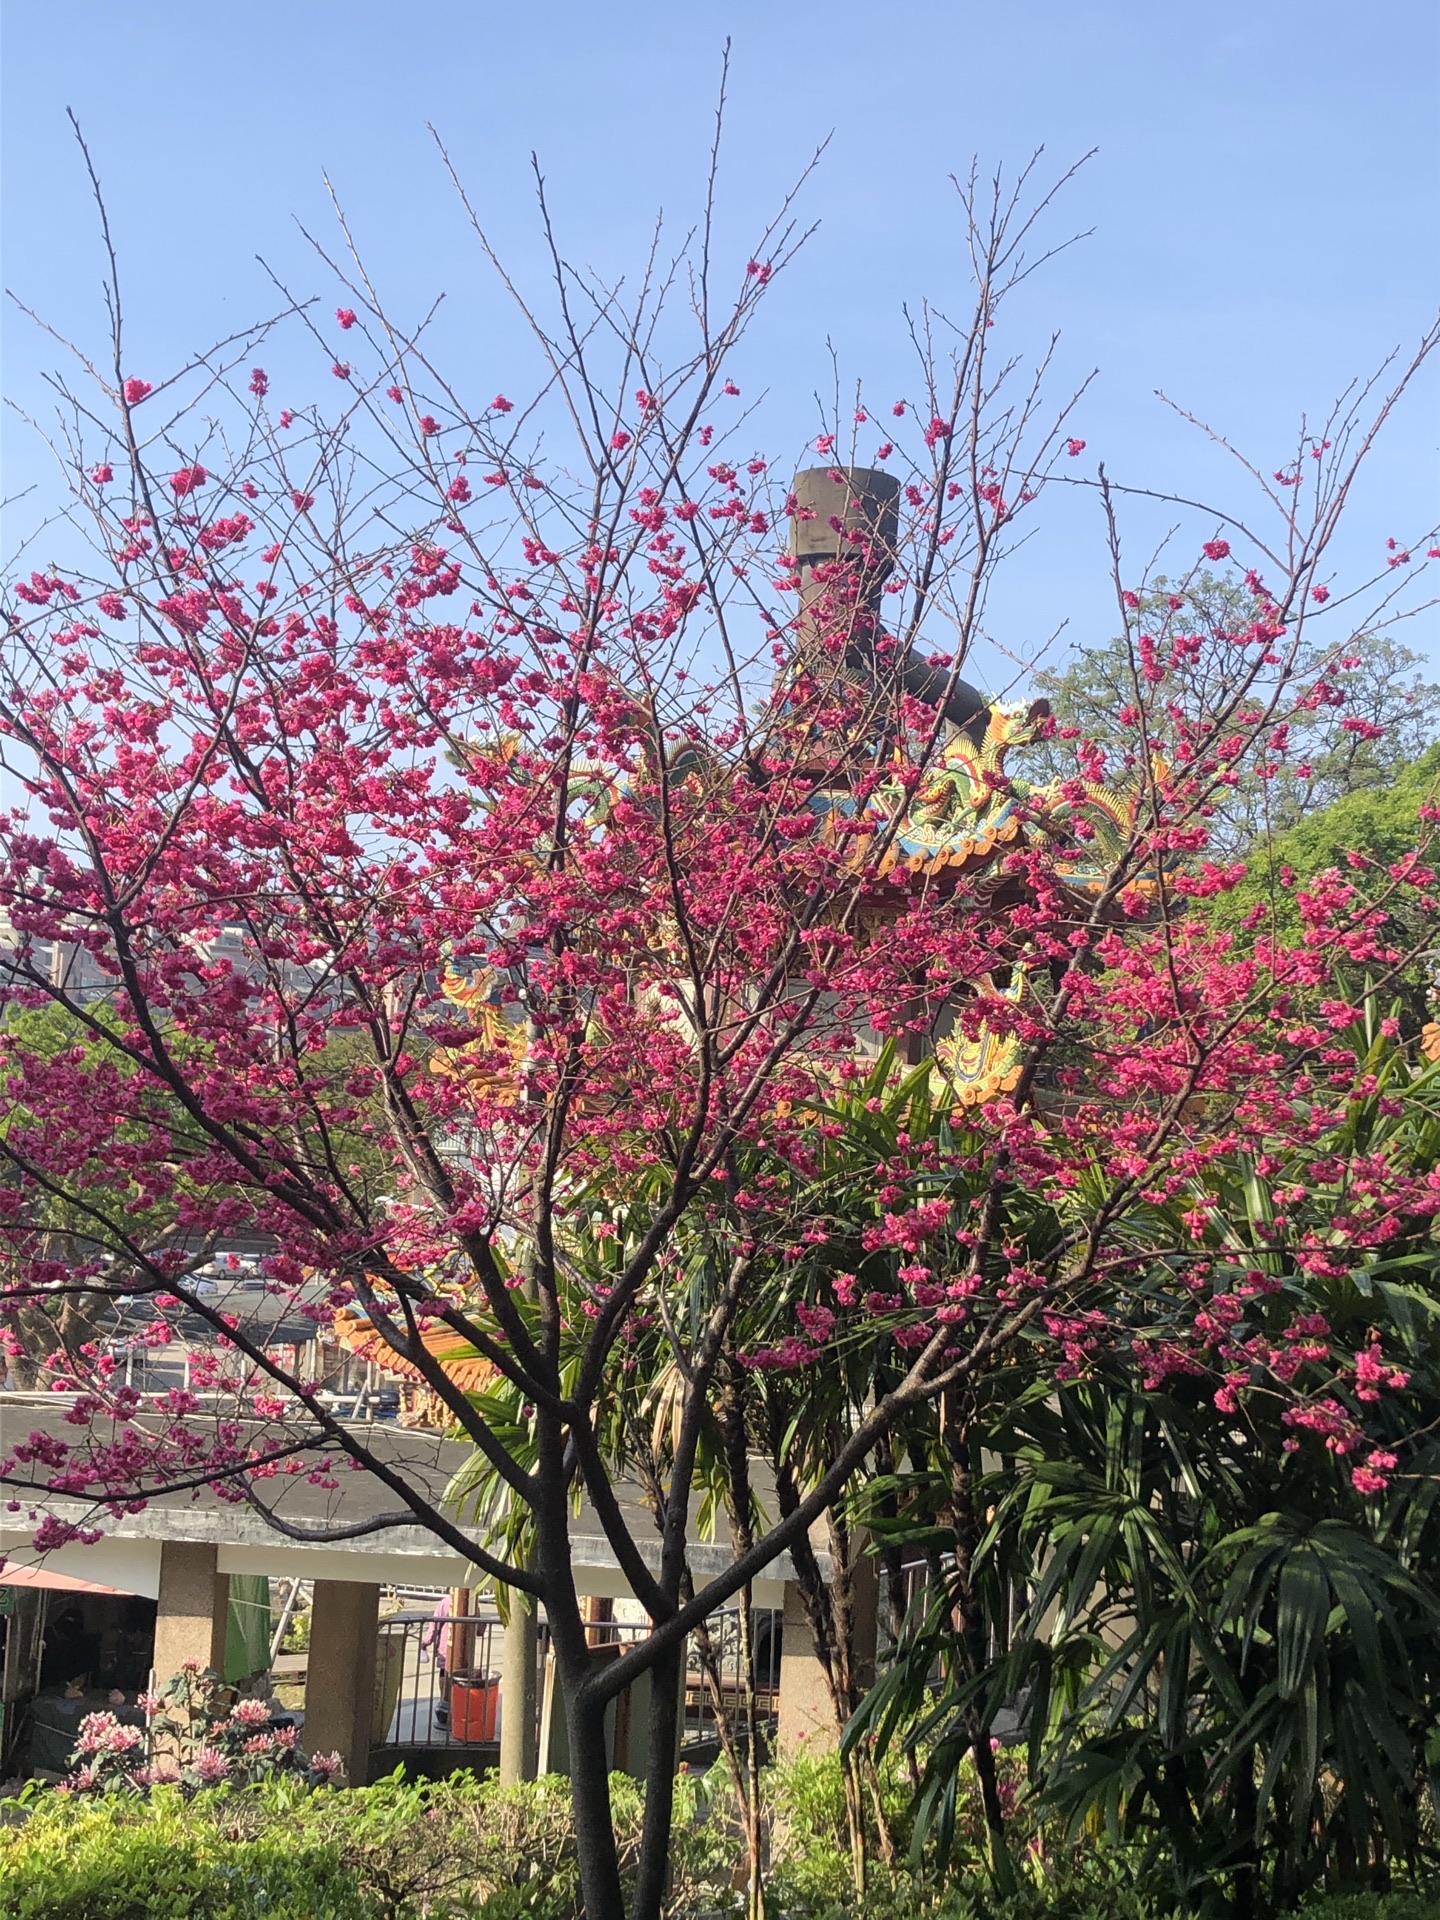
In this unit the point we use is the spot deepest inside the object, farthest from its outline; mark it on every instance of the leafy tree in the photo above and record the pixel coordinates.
(1377, 713)
(51, 1328)
(132, 1182)
(1374, 828)
(605, 800)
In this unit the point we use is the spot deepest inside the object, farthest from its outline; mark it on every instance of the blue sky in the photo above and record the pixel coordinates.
(1264, 199)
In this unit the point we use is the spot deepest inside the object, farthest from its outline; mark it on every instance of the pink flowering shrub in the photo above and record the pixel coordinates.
(196, 1735)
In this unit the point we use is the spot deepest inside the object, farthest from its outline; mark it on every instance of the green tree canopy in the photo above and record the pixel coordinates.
(1381, 715)
(1380, 823)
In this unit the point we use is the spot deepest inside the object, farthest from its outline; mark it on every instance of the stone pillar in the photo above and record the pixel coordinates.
(519, 1700)
(806, 1707)
(340, 1679)
(190, 1612)
(864, 1609)
(806, 1712)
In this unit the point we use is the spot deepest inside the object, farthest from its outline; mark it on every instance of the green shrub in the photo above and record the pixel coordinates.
(1103, 1887)
(1090, 1889)
(461, 1849)
(810, 1869)
(1373, 1906)
(113, 1859)
(468, 1849)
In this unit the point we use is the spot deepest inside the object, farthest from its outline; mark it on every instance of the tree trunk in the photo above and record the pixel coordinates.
(652, 1872)
(956, 1427)
(1246, 1882)
(829, 1616)
(600, 1891)
(730, 1417)
(724, 1726)
(754, 1831)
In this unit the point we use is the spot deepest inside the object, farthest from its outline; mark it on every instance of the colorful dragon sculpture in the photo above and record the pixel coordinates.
(968, 810)
(961, 820)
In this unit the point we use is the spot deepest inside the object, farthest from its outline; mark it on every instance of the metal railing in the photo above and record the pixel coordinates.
(438, 1680)
(728, 1677)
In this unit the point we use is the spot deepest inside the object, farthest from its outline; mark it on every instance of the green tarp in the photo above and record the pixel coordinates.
(247, 1626)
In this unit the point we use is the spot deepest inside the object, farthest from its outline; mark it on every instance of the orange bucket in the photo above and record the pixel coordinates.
(474, 1706)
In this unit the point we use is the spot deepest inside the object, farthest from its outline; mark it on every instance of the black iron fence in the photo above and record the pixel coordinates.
(438, 1680)
(438, 1677)
(721, 1683)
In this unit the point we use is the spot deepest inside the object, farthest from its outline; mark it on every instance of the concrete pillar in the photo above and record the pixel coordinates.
(190, 1613)
(340, 1680)
(806, 1712)
(864, 1610)
(806, 1707)
(519, 1699)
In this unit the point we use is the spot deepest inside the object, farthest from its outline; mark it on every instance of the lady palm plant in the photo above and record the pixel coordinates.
(1228, 1649)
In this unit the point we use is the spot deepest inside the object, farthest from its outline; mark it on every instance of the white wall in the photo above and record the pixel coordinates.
(131, 1565)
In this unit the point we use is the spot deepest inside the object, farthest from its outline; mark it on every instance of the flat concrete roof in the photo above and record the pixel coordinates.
(406, 1553)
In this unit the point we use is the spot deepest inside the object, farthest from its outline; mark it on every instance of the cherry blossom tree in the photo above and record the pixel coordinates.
(493, 838)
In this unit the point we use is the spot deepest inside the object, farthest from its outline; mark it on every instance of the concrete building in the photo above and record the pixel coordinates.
(183, 1552)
